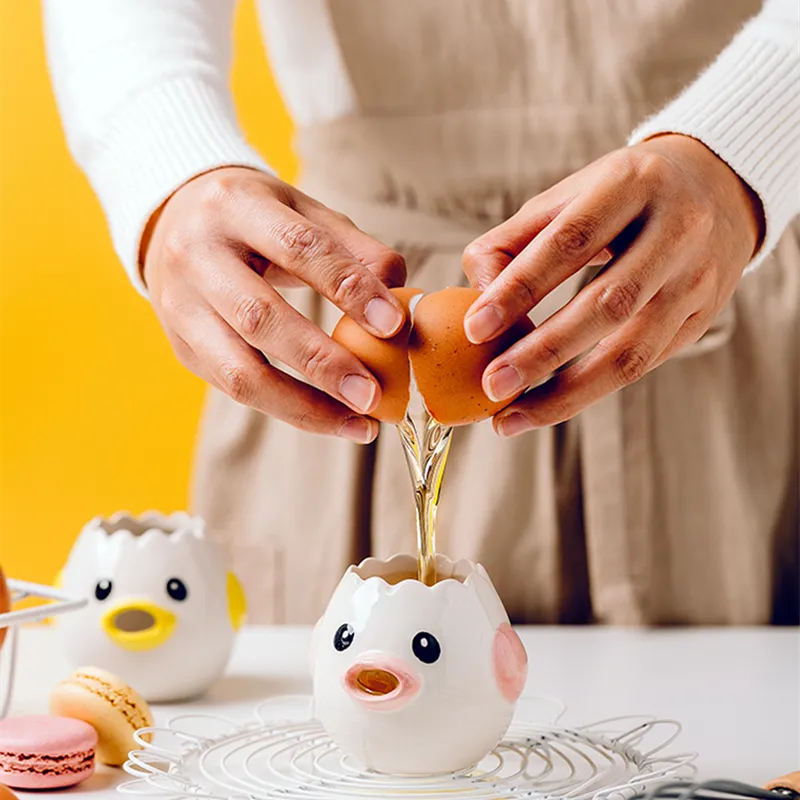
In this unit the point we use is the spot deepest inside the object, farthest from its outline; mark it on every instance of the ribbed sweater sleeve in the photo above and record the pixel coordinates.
(142, 87)
(746, 108)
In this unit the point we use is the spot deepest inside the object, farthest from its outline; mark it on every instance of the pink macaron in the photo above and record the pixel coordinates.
(45, 752)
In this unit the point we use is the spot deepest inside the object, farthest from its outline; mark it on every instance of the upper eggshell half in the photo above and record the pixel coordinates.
(386, 359)
(447, 367)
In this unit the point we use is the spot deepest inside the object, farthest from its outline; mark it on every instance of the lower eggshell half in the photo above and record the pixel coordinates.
(386, 359)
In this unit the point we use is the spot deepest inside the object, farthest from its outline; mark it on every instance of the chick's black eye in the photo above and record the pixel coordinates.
(103, 589)
(343, 637)
(176, 589)
(426, 648)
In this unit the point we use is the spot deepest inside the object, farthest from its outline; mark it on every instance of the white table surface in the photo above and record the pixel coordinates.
(736, 691)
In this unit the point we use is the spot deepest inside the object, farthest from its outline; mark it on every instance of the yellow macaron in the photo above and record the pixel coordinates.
(114, 709)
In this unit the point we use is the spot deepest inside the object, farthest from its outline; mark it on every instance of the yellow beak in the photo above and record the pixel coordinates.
(138, 625)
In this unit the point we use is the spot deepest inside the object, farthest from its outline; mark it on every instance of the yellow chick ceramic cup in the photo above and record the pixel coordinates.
(163, 610)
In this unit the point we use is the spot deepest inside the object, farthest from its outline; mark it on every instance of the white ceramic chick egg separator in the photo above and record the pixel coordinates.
(162, 609)
(412, 679)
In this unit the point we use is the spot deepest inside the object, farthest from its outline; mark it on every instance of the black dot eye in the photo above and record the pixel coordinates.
(103, 589)
(176, 589)
(343, 637)
(426, 647)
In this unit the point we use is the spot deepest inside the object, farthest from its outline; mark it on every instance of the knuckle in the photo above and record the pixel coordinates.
(236, 382)
(618, 302)
(623, 163)
(298, 239)
(653, 169)
(305, 420)
(344, 286)
(548, 354)
(169, 304)
(523, 289)
(343, 218)
(702, 219)
(218, 191)
(632, 363)
(316, 360)
(574, 236)
(254, 316)
(475, 251)
(177, 244)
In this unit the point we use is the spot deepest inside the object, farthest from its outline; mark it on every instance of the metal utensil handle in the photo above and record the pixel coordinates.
(21, 590)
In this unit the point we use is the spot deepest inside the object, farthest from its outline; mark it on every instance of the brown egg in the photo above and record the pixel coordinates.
(447, 367)
(386, 359)
(5, 603)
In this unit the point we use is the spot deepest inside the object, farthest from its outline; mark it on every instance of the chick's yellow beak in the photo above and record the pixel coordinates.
(138, 625)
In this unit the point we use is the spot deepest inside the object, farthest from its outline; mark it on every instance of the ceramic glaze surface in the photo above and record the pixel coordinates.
(412, 679)
(162, 611)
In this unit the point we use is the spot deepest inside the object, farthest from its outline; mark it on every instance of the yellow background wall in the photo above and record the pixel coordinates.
(96, 414)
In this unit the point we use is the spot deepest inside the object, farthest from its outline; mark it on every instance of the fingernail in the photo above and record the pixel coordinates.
(514, 424)
(504, 383)
(383, 316)
(483, 324)
(359, 392)
(357, 429)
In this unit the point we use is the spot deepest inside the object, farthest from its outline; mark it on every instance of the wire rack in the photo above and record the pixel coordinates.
(54, 602)
(284, 753)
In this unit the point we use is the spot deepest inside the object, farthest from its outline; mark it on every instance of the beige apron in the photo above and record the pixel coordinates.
(673, 501)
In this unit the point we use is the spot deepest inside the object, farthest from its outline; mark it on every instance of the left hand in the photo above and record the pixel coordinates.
(679, 225)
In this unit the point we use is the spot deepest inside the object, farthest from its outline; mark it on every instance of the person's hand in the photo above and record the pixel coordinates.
(212, 259)
(680, 227)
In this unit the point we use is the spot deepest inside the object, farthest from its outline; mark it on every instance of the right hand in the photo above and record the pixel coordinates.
(213, 256)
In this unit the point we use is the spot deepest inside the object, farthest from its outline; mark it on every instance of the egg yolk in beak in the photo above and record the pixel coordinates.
(381, 683)
(376, 681)
(138, 625)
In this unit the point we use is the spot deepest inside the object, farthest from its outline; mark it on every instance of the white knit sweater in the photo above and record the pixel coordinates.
(143, 90)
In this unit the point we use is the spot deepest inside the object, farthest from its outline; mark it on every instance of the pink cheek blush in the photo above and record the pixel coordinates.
(45, 752)
(510, 662)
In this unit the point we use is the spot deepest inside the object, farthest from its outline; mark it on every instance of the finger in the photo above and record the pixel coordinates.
(580, 232)
(690, 332)
(264, 268)
(313, 253)
(188, 358)
(619, 360)
(244, 375)
(488, 255)
(252, 308)
(387, 264)
(608, 302)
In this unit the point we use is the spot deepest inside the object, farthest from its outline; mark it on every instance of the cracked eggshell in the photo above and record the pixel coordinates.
(448, 368)
(386, 359)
